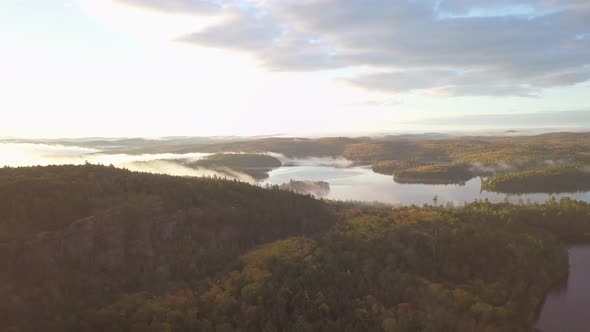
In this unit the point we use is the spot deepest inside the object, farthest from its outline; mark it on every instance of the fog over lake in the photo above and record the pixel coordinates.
(347, 182)
(25, 154)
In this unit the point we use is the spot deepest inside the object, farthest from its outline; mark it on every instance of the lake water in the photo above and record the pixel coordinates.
(567, 308)
(362, 184)
(346, 183)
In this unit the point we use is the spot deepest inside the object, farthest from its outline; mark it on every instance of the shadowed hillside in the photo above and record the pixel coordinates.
(95, 248)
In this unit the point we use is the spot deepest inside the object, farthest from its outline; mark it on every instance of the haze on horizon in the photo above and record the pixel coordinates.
(258, 67)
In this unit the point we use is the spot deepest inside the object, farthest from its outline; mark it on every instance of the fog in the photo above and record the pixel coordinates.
(312, 161)
(26, 154)
(37, 154)
(480, 168)
(489, 169)
(176, 168)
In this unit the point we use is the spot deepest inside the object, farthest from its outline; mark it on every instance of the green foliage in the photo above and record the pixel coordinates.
(479, 267)
(255, 165)
(547, 179)
(318, 188)
(483, 150)
(162, 253)
(147, 233)
(390, 325)
(389, 167)
(442, 174)
(290, 147)
(238, 161)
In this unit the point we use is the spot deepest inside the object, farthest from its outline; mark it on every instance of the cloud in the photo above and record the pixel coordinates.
(441, 83)
(240, 32)
(274, 43)
(513, 7)
(176, 6)
(459, 47)
(564, 78)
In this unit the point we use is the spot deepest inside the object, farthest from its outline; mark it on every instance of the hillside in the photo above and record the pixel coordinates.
(79, 237)
(95, 248)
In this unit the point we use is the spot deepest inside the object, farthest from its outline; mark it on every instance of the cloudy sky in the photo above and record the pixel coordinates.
(248, 67)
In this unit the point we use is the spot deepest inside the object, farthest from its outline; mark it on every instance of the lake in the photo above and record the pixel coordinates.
(362, 184)
(347, 182)
(566, 307)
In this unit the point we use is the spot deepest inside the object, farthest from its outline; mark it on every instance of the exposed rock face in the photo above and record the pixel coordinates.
(105, 242)
(95, 253)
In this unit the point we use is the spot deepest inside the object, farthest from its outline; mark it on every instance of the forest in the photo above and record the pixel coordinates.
(434, 174)
(429, 148)
(240, 161)
(389, 167)
(316, 188)
(96, 248)
(428, 158)
(255, 165)
(545, 180)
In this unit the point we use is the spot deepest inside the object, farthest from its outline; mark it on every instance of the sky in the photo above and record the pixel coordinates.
(151, 68)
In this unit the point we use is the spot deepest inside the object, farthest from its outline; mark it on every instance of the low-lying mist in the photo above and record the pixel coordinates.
(25, 154)
(312, 161)
(176, 168)
(485, 169)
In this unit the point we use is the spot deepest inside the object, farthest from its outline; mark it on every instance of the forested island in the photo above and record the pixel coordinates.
(405, 171)
(96, 248)
(434, 174)
(389, 167)
(255, 165)
(545, 180)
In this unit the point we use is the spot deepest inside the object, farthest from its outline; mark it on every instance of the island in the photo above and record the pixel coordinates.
(255, 165)
(540, 180)
(435, 174)
(389, 167)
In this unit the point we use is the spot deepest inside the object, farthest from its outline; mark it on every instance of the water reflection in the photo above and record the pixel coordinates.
(566, 307)
(362, 184)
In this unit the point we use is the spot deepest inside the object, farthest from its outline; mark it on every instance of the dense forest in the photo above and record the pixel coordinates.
(316, 188)
(405, 171)
(418, 148)
(416, 158)
(389, 167)
(256, 165)
(96, 248)
(434, 174)
(450, 160)
(239, 161)
(75, 238)
(546, 180)
(489, 150)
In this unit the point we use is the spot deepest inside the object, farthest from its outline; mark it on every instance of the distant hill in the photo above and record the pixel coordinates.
(556, 119)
